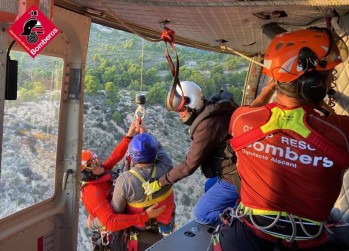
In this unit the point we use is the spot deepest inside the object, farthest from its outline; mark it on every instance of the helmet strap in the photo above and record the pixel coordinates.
(188, 120)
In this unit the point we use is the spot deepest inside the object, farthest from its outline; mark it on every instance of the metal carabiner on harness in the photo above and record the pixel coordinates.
(105, 241)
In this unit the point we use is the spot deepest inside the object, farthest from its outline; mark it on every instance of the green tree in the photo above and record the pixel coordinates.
(135, 85)
(134, 72)
(157, 93)
(92, 85)
(129, 44)
(217, 76)
(39, 88)
(184, 73)
(231, 64)
(237, 93)
(109, 74)
(151, 76)
(25, 95)
(239, 78)
(112, 93)
(117, 117)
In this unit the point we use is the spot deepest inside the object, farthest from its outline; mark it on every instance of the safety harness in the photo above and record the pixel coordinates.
(281, 227)
(101, 237)
(140, 177)
(152, 224)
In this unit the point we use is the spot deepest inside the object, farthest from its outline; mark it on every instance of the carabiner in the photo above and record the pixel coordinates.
(105, 233)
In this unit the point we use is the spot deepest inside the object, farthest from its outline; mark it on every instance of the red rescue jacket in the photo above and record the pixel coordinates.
(96, 196)
(290, 159)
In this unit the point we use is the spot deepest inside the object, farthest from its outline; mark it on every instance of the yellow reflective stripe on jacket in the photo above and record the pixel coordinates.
(148, 203)
(287, 119)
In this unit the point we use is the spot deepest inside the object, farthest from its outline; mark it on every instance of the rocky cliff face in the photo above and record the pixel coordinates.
(101, 134)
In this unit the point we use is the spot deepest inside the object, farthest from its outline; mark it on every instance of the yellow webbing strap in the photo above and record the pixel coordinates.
(135, 173)
(148, 203)
(262, 212)
(140, 177)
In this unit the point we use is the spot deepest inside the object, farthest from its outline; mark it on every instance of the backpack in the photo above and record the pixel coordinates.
(223, 157)
(224, 95)
(221, 103)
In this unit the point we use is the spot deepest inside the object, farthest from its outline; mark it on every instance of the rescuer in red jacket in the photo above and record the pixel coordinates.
(292, 153)
(97, 187)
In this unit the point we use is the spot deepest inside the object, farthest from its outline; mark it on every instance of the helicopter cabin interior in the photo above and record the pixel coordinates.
(239, 27)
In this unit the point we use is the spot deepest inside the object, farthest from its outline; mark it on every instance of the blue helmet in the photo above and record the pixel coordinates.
(143, 148)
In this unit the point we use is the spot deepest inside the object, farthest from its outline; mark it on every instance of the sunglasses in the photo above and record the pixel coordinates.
(91, 164)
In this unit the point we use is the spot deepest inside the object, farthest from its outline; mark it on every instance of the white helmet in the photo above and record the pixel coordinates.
(193, 97)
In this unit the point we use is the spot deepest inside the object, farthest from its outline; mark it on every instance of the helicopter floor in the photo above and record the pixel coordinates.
(192, 236)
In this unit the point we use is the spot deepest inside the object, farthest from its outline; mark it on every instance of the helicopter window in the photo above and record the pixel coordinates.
(30, 133)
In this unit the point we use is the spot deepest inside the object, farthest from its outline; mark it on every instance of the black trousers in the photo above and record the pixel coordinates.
(239, 237)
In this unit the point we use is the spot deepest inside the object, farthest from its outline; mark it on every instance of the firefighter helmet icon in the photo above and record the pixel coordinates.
(32, 28)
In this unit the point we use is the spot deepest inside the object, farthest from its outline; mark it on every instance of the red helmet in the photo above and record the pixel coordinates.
(290, 54)
(89, 160)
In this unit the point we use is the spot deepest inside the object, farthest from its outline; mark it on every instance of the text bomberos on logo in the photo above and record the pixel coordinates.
(33, 31)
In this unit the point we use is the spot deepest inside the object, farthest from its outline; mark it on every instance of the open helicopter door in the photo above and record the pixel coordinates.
(40, 166)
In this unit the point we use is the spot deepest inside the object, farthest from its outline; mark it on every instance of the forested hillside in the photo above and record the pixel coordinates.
(118, 60)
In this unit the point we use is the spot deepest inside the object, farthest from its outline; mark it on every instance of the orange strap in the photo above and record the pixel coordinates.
(167, 36)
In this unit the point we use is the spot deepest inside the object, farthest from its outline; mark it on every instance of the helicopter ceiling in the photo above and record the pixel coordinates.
(239, 25)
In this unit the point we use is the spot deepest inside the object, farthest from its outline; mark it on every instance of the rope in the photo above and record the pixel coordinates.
(142, 61)
(226, 48)
(249, 212)
(307, 233)
(276, 219)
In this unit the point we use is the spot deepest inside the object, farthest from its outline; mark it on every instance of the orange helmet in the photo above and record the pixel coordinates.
(89, 160)
(291, 54)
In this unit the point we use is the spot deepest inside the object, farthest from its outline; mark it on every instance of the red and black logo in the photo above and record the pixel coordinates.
(32, 28)
(33, 31)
